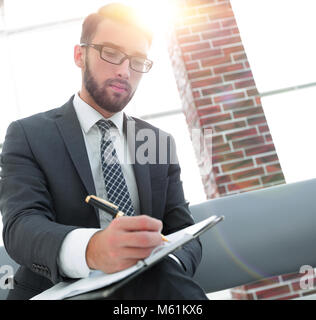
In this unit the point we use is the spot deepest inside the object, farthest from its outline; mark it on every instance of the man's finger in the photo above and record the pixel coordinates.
(138, 223)
(140, 239)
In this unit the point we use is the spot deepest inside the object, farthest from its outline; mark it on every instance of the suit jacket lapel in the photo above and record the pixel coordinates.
(141, 171)
(70, 129)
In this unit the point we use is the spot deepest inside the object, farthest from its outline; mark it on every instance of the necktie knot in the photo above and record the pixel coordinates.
(105, 125)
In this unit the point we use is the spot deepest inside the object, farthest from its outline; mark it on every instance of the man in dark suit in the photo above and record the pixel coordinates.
(51, 161)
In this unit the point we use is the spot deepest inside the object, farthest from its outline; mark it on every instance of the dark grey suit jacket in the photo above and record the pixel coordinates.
(45, 178)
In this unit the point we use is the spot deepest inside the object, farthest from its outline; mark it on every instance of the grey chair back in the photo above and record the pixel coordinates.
(265, 233)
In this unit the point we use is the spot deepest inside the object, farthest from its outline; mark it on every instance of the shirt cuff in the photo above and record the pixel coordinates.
(72, 255)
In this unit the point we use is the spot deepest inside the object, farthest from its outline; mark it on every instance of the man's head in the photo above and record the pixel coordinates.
(112, 56)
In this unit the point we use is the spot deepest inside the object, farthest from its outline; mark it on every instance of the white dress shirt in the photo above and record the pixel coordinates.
(72, 255)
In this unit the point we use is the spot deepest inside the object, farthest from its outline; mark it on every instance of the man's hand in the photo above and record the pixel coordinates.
(125, 241)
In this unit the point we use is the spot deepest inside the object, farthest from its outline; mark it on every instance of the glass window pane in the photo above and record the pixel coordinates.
(21, 13)
(44, 70)
(157, 90)
(190, 173)
(278, 37)
(291, 118)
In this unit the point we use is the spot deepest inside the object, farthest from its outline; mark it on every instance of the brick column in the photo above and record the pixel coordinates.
(218, 92)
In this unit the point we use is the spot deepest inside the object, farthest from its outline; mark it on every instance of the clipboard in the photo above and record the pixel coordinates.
(101, 285)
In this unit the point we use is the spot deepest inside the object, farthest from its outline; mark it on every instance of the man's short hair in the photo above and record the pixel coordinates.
(116, 12)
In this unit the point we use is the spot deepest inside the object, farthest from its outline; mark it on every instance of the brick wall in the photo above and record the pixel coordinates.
(219, 93)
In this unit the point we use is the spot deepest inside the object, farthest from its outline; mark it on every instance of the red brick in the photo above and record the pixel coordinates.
(196, 94)
(243, 184)
(242, 296)
(226, 41)
(207, 82)
(241, 134)
(229, 23)
(293, 276)
(206, 54)
(215, 139)
(261, 149)
(223, 179)
(238, 75)
(192, 66)
(248, 142)
(209, 110)
(227, 156)
(261, 283)
(258, 101)
(256, 120)
(199, 74)
(252, 92)
(216, 61)
(239, 104)
(215, 119)
(240, 56)
(221, 148)
(272, 292)
(221, 15)
(248, 173)
(273, 178)
(247, 112)
(237, 165)
(229, 97)
(244, 84)
(202, 102)
(267, 159)
(216, 34)
(230, 68)
(268, 138)
(264, 128)
(230, 126)
(205, 27)
(195, 47)
(293, 296)
(232, 49)
(222, 189)
(186, 58)
(217, 89)
(189, 38)
(216, 170)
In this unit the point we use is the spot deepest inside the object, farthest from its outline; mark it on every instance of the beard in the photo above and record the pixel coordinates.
(101, 96)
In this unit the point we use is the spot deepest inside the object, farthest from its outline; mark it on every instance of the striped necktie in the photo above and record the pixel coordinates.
(115, 184)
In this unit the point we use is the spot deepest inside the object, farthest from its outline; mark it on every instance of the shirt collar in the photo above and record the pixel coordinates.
(88, 116)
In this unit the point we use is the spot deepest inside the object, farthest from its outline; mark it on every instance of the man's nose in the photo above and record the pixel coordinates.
(123, 70)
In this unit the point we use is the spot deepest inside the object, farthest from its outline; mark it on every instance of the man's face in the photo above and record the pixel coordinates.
(112, 86)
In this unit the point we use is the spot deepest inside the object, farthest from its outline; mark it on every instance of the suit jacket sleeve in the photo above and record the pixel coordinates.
(177, 215)
(32, 236)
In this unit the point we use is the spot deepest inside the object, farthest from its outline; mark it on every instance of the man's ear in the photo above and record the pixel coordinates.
(79, 56)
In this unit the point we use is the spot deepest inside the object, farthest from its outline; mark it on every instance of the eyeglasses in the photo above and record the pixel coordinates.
(115, 56)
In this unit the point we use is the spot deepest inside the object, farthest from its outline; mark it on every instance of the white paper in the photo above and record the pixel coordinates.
(99, 279)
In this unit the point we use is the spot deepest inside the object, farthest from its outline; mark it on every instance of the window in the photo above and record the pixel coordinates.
(279, 41)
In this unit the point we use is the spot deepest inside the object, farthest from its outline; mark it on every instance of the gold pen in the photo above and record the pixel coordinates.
(110, 208)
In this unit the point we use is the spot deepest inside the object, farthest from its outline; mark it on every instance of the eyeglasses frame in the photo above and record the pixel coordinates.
(99, 47)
